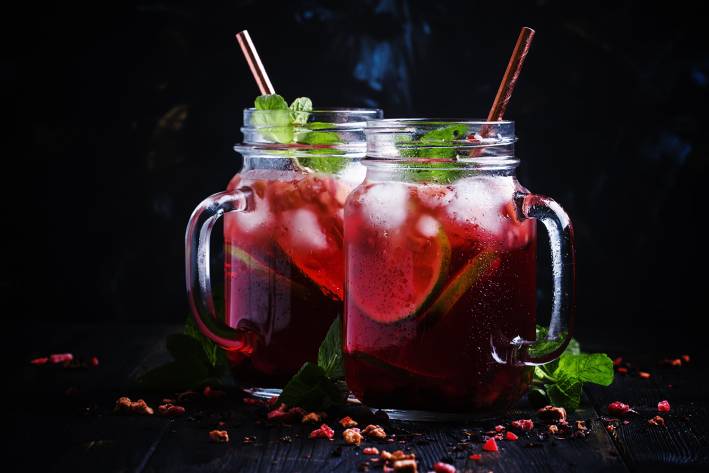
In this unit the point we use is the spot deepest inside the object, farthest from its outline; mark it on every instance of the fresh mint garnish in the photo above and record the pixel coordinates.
(319, 386)
(561, 381)
(300, 110)
(273, 118)
(436, 145)
(197, 362)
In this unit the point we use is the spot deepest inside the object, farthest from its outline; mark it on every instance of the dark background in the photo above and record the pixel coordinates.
(128, 114)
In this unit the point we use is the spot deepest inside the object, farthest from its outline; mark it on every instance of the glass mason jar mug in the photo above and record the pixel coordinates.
(283, 258)
(440, 247)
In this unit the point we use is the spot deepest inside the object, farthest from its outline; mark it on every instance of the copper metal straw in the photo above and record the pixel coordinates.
(254, 62)
(504, 93)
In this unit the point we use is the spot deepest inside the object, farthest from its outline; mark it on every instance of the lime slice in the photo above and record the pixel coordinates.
(393, 283)
(262, 269)
(466, 278)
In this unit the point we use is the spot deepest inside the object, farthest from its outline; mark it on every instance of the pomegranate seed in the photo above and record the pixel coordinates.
(490, 445)
(511, 436)
(644, 374)
(475, 456)
(618, 409)
(663, 406)
(40, 361)
(441, 467)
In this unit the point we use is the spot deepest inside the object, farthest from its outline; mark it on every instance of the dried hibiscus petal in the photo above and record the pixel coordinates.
(663, 406)
(523, 424)
(618, 409)
(219, 436)
(348, 422)
(352, 436)
(511, 436)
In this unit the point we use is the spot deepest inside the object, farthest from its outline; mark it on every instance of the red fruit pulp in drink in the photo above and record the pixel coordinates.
(440, 280)
(284, 271)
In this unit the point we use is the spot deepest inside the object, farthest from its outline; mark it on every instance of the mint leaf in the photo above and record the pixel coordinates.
(594, 368)
(566, 392)
(330, 353)
(311, 389)
(270, 102)
(319, 138)
(300, 110)
(272, 117)
(436, 144)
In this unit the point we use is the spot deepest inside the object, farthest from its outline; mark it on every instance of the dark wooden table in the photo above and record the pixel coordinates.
(63, 421)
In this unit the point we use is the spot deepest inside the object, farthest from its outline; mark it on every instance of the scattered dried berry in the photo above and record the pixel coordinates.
(405, 466)
(126, 406)
(170, 410)
(523, 424)
(283, 414)
(60, 358)
(490, 445)
(618, 409)
(581, 425)
(657, 421)
(475, 456)
(93, 361)
(618, 361)
(551, 413)
(40, 361)
(324, 432)
(644, 374)
(622, 370)
(313, 417)
(441, 467)
(374, 431)
(348, 422)
(553, 429)
(610, 428)
(676, 362)
(499, 428)
(511, 436)
(219, 436)
(396, 456)
(686, 358)
(663, 406)
(352, 436)
(371, 451)
(211, 393)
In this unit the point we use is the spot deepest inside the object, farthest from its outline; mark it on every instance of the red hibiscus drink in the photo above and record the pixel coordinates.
(283, 249)
(440, 244)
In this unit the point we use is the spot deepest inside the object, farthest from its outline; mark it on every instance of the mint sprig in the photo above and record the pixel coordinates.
(432, 149)
(320, 385)
(560, 382)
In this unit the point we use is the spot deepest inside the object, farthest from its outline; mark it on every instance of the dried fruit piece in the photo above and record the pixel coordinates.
(405, 466)
(313, 417)
(94, 361)
(618, 361)
(219, 436)
(170, 410)
(610, 428)
(374, 431)
(396, 456)
(475, 456)
(523, 424)
(622, 370)
(125, 405)
(371, 451)
(499, 428)
(324, 432)
(441, 467)
(551, 413)
(490, 445)
(211, 393)
(644, 374)
(657, 421)
(283, 414)
(352, 436)
(663, 406)
(40, 361)
(511, 436)
(553, 429)
(686, 358)
(348, 422)
(618, 409)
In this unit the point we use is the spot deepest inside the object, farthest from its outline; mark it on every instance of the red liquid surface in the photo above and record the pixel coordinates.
(438, 278)
(284, 271)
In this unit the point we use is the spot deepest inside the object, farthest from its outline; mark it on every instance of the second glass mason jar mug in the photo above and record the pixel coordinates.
(283, 253)
(440, 247)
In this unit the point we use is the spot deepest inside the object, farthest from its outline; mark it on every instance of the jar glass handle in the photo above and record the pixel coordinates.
(563, 262)
(197, 267)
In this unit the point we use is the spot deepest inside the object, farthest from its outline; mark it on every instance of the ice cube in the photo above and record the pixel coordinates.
(427, 226)
(303, 231)
(479, 200)
(260, 219)
(384, 205)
